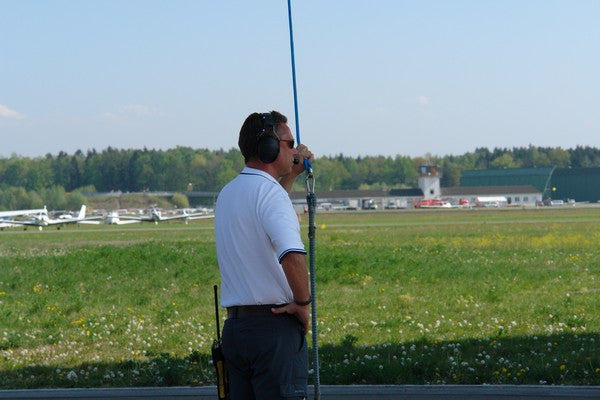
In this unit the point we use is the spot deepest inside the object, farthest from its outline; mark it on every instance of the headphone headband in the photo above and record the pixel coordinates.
(268, 142)
(267, 120)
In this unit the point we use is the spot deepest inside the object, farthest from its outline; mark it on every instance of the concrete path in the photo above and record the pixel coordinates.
(328, 392)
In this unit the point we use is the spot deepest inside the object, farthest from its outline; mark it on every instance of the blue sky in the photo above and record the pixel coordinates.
(374, 77)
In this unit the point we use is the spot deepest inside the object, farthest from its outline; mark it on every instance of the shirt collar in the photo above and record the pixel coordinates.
(254, 171)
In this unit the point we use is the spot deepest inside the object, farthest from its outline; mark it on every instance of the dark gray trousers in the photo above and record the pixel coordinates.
(266, 357)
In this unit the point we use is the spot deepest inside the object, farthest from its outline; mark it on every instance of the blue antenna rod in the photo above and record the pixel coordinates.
(306, 161)
(312, 205)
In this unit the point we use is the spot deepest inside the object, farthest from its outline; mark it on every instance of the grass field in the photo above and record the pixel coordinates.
(405, 297)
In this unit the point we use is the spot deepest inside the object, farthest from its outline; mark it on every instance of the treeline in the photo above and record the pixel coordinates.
(61, 180)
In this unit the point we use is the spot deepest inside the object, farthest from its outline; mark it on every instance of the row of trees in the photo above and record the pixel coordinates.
(23, 179)
(55, 198)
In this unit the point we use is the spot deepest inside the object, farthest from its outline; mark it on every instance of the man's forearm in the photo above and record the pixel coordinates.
(294, 267)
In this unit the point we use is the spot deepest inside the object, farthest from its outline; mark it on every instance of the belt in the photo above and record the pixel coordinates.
(252, 311)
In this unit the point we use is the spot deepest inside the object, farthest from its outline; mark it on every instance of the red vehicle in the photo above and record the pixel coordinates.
(431, 203)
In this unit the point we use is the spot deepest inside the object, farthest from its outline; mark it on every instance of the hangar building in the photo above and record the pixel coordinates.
(579, 184)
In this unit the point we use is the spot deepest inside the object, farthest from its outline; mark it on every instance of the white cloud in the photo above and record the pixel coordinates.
(128, 112)
(423, 100)
(6, 112)
(109, 116)
(135, 110)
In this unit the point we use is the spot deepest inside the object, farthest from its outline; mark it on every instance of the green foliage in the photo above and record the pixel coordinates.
(180, 200)
(506, 160)
(86, 189)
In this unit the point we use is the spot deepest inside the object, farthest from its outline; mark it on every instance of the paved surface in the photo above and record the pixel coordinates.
(333, 392)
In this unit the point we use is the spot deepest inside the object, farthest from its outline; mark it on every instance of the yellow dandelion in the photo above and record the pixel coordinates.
(563, 367)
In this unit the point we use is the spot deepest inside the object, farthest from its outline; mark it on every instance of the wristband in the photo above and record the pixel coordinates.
(303, 303)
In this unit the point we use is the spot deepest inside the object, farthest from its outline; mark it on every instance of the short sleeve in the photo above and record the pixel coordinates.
(281, 223)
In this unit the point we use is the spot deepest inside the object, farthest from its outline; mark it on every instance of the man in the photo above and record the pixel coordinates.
(262, 261)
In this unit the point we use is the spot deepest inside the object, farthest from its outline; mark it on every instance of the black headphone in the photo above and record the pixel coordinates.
(268, 142)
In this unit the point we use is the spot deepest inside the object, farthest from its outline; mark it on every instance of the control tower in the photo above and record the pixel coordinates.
(429, 181)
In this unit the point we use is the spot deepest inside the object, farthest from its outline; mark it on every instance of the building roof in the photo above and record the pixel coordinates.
(342, 194)
(488, 190)
(413, 192)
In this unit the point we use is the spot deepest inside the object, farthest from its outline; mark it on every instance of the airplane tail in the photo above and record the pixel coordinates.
(81, 212)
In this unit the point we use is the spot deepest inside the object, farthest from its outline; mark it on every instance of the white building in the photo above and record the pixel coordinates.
(429, 181)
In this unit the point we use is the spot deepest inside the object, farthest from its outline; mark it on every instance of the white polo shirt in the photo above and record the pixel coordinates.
(255, 227)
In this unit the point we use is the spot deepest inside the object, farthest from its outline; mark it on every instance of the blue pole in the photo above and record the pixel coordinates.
(306, 161)
(312, 203)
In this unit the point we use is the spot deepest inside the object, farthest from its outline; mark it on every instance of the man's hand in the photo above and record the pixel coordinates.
(287, 181)
(303, 152)
(301, 312)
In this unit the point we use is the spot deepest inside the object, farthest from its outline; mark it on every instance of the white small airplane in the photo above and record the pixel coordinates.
(111, 219)
(156, 217)
(6, 220)
(41, 219)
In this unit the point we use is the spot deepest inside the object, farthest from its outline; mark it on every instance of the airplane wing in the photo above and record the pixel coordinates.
(32, 222)
(90, 222)
(59, 221)
(200, 216)
(130, 221)
(138, 219)
(16, 213)
(154, 217)
(108, 222)
(113, 218)
(179, 216)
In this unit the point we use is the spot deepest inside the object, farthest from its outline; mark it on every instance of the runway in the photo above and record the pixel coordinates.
(328, 392)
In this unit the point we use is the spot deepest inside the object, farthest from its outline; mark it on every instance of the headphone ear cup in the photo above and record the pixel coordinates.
(268, 149)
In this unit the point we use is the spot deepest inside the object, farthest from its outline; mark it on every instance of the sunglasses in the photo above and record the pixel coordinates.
(290, 142)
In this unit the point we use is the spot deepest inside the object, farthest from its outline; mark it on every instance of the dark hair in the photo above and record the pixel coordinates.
(251, 129)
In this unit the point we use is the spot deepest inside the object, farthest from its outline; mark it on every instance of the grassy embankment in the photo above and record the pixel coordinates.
(404, 297)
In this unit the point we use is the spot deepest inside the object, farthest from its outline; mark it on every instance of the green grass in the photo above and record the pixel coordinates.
(425, 297)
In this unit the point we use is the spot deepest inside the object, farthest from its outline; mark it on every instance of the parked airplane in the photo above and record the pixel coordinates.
(156, 217)
(111, 219)
(41, 219)
(6, 216)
